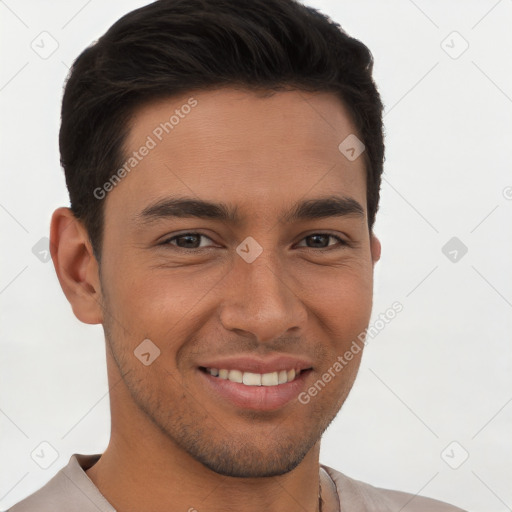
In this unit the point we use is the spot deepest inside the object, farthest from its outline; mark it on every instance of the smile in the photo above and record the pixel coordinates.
(255, 379)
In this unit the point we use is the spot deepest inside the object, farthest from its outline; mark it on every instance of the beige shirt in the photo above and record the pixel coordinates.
(71, 490)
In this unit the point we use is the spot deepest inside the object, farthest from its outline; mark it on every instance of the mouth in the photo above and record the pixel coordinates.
(251, 390)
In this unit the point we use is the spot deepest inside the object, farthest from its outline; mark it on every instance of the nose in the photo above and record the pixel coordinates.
(262, 300)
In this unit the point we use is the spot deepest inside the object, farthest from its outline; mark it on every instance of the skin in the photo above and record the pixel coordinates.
(184, 447)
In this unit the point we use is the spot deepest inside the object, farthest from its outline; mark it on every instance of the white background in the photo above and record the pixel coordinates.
(440, 372)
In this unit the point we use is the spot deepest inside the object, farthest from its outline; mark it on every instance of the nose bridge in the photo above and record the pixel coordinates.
(262, 299)
(264, 276)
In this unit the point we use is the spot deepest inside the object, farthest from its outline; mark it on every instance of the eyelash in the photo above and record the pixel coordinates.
(341, 241)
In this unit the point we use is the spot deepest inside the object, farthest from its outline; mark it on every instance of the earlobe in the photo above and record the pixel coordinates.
(375, 248)
(76, 266)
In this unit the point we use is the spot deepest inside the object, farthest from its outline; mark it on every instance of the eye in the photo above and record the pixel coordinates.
(318, 240)
(187, 241)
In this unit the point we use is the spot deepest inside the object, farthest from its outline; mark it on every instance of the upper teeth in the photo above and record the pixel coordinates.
(255, 379)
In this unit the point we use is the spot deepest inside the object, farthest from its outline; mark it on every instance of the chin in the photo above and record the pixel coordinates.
(251, 463)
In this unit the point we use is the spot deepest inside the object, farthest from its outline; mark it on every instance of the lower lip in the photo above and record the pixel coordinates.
(256, 398)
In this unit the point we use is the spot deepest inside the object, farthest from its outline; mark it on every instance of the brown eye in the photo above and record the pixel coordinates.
(187, 241)
(321, 241)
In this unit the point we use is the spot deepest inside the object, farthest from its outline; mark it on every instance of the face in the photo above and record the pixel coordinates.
(255, 289)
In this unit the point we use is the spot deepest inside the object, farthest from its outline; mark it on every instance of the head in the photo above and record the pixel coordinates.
(242, 106)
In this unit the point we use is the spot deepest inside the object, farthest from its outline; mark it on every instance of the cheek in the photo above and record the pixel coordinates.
(161, 304)
(340, 297)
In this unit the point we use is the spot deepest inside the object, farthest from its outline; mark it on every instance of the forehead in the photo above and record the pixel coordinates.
(258, 152)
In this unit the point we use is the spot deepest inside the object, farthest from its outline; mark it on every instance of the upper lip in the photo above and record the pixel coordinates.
(259, 365)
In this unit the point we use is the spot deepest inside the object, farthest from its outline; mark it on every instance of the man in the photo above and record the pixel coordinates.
(223, 161)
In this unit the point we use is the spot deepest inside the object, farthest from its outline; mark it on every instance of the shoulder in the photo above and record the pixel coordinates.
(354, 494)
(50, 496)
(70, 490)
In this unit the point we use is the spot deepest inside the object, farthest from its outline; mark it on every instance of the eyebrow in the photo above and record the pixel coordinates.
(186, 207)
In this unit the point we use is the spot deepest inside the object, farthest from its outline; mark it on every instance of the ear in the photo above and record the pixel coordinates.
(76, 266)
(375, 248)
